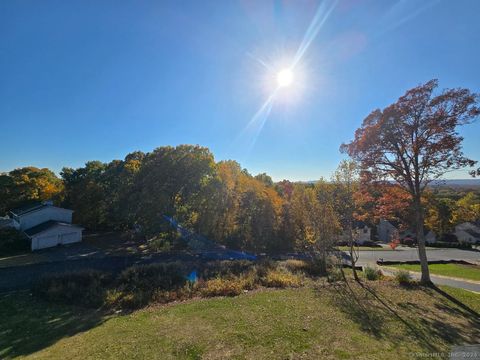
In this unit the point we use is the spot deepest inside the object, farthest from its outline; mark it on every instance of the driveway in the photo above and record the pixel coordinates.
(93, 246)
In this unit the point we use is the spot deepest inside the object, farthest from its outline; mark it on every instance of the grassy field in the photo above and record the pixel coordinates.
(378, 321)
(470, 272)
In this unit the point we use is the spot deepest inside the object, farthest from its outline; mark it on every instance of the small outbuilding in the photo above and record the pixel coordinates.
(46, 225)
(52, 233)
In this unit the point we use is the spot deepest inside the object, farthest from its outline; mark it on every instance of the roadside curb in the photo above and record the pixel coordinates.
(434, 275)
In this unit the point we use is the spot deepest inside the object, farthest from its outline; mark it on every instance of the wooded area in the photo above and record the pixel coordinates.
(224, 202)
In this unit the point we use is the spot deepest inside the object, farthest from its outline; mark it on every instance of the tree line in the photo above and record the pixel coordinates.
(223, 201)
(394, 156)
(220, 200)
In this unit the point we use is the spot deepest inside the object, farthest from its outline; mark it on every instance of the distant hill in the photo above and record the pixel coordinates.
(469, 183)
(457, 183)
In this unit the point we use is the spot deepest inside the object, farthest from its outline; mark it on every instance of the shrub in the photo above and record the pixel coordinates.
(113, 297)
(314, 267)
(166, 296)
(13, 242)
(226, 268)
(318, 266)
(262, 268)
(372, 273)
(221, 287)
(152, 277)
(250, 280)
(295, 266)
(335, 274)
(280, 279)
(134, 300)
(85, 288)
(160, 243)
(403, 277)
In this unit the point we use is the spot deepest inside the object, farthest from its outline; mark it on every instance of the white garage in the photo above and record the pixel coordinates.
(52, 233)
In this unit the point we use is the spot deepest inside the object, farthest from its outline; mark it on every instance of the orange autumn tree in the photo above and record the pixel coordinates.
(28, 184)
(375, 200)
(415, 141)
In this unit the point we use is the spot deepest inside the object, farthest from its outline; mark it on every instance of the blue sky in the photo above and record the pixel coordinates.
(94, 80)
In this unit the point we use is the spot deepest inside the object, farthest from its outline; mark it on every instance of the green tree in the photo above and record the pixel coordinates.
(170, 182)
(86, 194)
(345, 180)
(467, 209)
(439, 215)
(316, 223)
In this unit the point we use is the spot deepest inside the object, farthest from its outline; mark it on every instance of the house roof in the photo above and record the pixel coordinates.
(473, 233)
(27, 208)
(359, 224)
(33, 207)
(394, 223)
(48, 225)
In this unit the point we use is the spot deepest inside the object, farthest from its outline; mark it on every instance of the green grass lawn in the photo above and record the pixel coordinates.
(470, 272)
(317, 321)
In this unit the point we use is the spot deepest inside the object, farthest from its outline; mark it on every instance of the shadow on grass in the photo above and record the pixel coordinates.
(362, 311)
(467, 311)
(28, 325)
(434, 323)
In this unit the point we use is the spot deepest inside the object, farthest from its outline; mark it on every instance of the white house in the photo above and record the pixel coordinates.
(386, 231)
(467, 233)
(361, 233)
(26, 217)
(430, 237)
(46, 225)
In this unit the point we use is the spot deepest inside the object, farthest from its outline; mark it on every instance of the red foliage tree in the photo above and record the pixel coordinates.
(415, 141)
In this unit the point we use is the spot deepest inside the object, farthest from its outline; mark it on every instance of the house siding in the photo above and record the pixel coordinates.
(37, 217)
(466, 233)
(58, 235)
(385, 230)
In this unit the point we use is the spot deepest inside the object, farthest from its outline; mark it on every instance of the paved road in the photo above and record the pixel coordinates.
(371, 257)
(23, 277)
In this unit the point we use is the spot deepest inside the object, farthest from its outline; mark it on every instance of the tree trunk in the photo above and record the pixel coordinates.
(353, 260)
(422, 253)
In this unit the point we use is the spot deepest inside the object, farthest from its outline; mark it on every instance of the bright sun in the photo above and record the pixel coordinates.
(284, 77)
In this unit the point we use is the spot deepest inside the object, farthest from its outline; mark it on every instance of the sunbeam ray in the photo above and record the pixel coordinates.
(321, 15)
(263, 109)
(258, 120)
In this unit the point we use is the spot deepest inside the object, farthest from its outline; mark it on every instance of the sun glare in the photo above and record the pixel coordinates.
(285, 77)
